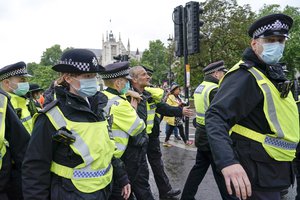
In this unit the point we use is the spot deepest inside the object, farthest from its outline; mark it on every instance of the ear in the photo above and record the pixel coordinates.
(5, 82)
(254, 44)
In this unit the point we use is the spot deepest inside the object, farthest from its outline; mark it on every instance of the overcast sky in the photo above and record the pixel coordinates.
(28, 27)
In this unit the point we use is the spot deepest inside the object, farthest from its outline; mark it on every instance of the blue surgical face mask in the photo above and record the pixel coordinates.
(272, 52)
(88, 87)
(22, 88)
(126, 88)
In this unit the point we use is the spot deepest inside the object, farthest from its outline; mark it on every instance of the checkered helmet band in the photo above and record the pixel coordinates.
(215, 69)
(277, 25)
(115, 75)
(82, 66)
(17, 72)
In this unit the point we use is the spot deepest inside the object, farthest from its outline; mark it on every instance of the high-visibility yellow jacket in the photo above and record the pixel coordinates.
(282, 116)
(3, 107)
(95, 148)
(20, 105)
(125, 121)
(201, 98)
(157, 95)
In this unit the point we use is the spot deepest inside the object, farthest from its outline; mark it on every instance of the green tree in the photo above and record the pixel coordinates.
(223, 37)
(51, 55)
(42, 75)
(42, 72)
(155, 58)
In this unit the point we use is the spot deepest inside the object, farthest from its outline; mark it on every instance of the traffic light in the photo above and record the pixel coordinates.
(193, 26)
(178, 30)
(117, 58)
(125, 58)
(121, 58)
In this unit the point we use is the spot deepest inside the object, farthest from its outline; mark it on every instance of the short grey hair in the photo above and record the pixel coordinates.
(133, 71)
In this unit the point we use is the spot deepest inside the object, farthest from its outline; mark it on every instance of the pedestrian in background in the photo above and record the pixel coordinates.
(253, 123)
(175, 100)
(203, 95)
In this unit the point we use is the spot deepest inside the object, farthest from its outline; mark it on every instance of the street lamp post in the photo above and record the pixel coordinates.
(170, 40)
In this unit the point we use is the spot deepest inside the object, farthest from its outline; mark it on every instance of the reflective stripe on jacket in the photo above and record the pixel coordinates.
(201, 96)
(21, 103)
(157, 95)
(95, 148)
(282, 116)
(3, 107)
(125, 121)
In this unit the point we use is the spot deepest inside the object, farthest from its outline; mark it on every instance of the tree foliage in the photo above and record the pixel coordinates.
(155, 58)
(51, 55)
(223, 37)
(42, 75)
(42, 72)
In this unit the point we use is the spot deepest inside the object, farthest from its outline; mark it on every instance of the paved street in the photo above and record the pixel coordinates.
(178, 161)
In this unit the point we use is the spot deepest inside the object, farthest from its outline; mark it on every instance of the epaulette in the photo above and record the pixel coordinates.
(48, 106)
(246, 65)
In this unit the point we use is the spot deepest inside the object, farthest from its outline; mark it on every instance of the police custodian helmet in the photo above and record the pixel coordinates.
(78, 61)
(116, 70)
(271, 25)
(215, 66)
(16, 69)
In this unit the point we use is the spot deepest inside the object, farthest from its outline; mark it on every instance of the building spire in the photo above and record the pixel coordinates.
(128, 46)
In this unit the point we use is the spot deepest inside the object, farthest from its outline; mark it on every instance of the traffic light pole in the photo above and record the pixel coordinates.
(186, 68)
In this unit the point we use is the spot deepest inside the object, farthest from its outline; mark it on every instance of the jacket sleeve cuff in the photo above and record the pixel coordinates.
(123, 180)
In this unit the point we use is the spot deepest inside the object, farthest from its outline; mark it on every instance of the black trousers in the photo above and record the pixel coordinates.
(137, 168)
(157, 165)
(181, 132)
(203, 161)
(296, 164)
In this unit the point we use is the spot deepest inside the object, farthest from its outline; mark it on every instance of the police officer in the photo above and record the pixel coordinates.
(33, 95)
(203, 95)
(14, 81)
(122, 115)
(254, 105)
(70, 154)
(13, 143)
(147, 107)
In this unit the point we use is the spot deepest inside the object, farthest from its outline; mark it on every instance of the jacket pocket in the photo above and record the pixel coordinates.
(270, 173)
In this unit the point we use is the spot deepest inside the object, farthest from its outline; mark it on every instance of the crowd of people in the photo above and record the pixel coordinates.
(72, 141)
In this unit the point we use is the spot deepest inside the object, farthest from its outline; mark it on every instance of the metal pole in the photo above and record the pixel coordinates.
(185, 53)
(170, 61)
(170, 70)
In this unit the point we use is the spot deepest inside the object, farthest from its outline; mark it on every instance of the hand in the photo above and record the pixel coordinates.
(236, 175)
(126, 190)
(134, 95)
(187, 112)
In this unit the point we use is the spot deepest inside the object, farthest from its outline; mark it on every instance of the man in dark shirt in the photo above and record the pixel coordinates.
(141, 80)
